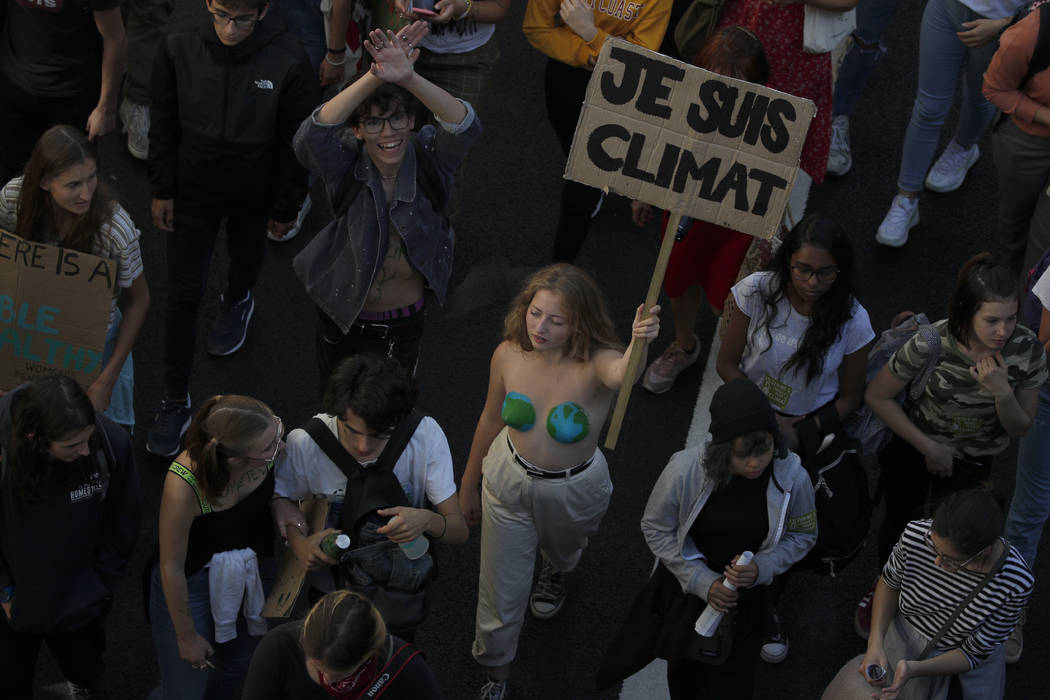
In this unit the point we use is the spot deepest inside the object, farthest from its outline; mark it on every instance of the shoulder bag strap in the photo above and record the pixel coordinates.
(966, 602)
(398, 659)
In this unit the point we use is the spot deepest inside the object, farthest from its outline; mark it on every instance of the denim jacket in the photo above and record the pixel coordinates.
(680, 494)
(338, 266)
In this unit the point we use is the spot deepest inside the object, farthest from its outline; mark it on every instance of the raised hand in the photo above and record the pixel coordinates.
(393, 57)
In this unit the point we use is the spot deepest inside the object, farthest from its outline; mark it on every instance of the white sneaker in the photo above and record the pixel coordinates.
(135, 117)
(948, 173)
(840, 160)
(901, 218)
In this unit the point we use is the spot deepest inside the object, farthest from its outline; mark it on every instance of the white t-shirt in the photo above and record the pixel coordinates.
(424, 469)
(457, 37)
(789, 392)
(994, 9)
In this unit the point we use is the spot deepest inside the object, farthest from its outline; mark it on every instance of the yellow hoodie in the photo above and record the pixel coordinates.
(641, 22)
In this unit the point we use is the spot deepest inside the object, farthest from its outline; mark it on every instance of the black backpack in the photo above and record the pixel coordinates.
(843, 503)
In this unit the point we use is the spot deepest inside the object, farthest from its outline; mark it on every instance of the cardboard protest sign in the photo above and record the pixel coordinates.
(688, 140)
(54, 311)
(290, 573)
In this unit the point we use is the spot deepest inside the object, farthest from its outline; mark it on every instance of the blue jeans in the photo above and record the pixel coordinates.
(305, 19)
(1031, 503)
(942, 57)
(122, 401)
(179, 680)
(873, 16)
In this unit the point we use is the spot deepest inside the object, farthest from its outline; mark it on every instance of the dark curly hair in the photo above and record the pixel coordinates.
(831, 311)
(377, 389)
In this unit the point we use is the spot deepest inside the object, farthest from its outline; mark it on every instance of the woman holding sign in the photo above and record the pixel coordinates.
(572, 34)
(546, 484)
(60, 201)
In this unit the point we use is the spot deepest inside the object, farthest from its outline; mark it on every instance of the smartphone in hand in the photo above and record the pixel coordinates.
(424, 8)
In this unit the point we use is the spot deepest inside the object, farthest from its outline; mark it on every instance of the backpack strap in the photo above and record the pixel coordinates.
(367, 488)
(932, 336)
(1041, 55)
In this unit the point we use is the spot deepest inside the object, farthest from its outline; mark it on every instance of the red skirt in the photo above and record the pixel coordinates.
(709, 257)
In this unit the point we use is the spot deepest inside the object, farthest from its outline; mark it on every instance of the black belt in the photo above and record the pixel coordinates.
(532, 470)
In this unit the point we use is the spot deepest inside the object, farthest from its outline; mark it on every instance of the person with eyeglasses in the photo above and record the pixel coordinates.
(923, 601)
(389, 240)
(70, 511)
(798, 331)
(374, 458)
(215, 547)
(800, 334)
(982, 392)
(227, 97)
(343, 649)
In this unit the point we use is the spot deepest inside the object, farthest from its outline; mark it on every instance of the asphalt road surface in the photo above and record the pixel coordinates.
(506, 229)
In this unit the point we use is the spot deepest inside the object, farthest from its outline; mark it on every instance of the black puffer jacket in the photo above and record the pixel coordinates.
(222, 120)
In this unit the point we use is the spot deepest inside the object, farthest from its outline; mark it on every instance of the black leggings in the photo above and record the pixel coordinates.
(77, 652)
(189, 250)
(912, 492)
(565, 87)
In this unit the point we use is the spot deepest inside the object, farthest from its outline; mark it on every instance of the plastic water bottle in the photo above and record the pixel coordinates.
(708, 621)
(414, 549)
(336, 546)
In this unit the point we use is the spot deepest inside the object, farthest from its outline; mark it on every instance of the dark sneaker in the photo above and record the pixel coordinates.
(774, 642)
(230, 327)
(548, 595)
(862, 616)
(165, 437)
(494, 690)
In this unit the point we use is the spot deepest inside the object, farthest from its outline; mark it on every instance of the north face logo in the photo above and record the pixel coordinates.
(264, 84)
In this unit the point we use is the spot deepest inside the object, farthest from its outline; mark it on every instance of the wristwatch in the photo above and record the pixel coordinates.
(7, 593)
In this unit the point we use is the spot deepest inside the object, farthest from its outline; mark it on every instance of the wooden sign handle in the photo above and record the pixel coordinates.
(635, 357)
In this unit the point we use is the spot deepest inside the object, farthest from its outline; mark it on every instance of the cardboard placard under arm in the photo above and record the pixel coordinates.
(290, 573)
(54, 311)
(688, 140)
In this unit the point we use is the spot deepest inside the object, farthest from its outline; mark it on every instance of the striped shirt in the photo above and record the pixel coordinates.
(118, 239)
(929, 595)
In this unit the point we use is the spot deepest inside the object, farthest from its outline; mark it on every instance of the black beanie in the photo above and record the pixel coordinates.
(739, 408)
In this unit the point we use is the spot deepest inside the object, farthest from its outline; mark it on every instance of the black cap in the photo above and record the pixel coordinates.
(739, 408)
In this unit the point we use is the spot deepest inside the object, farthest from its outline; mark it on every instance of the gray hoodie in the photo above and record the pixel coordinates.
(681, 492)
